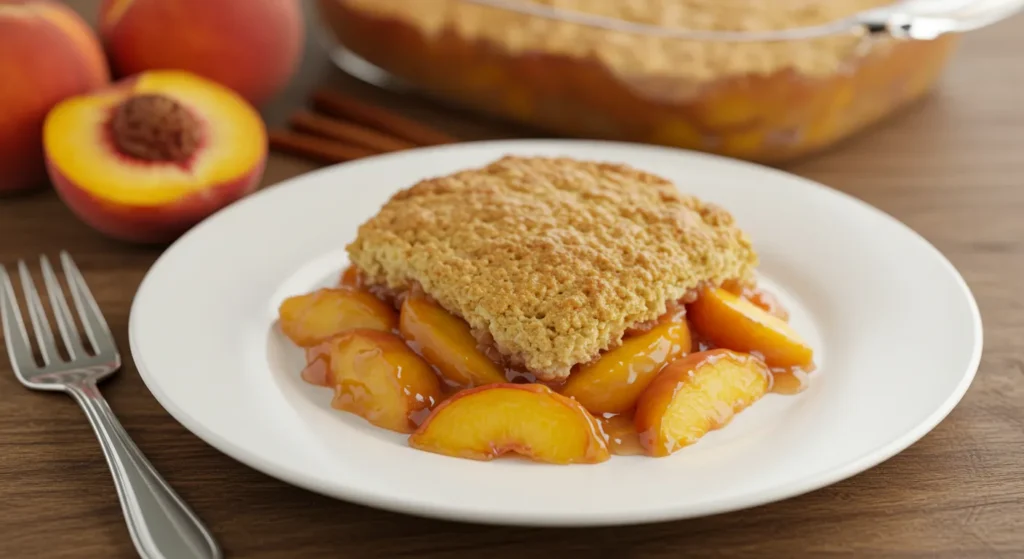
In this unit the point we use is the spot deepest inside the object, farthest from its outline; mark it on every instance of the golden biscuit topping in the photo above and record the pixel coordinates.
(551, 258)
(634, 54)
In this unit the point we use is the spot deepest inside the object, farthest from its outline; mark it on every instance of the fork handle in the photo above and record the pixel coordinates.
(160, 523)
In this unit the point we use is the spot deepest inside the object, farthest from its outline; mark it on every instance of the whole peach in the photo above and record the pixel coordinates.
(251, 46)
(47, 53)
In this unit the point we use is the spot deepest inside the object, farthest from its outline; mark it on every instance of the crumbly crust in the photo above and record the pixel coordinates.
(554, 258)
(633, 54)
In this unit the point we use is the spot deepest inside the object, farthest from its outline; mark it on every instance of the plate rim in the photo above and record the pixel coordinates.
(445, 511)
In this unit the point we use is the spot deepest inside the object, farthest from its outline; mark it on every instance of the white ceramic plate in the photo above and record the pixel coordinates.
(896, 331)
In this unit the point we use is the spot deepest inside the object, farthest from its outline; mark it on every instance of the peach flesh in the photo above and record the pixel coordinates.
(614, 381)
(512, 418)
(695, 395)
(732, 322)
(447, 343)
(377, 377)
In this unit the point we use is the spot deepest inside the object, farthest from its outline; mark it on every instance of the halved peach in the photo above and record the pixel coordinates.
(314, 317)
(150, 156)
(377, 377)
(613, 382)
(732, 322)
(486, 422)
(696, 394)
(447, 343)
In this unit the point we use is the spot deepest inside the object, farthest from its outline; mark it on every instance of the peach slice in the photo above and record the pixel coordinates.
(152, 155)
(768, 302)
(757, 296)
(447, 343)
(613, 382)
(528, 419)
(351, 278)
(732, 322)
(377, 377)
(314, 317)
(697, 394)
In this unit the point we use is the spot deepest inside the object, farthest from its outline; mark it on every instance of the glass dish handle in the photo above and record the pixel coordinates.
(930, 19)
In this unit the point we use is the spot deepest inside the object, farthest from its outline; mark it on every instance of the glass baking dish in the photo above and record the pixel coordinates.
(756, 80)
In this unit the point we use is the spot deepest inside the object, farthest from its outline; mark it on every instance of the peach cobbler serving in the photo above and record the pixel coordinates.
(559, 309)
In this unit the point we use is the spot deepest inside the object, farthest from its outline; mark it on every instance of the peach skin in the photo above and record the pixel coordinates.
(47, 53)
(377, 377)
(149, 157)
(697, 394)
(613, 382)
(486, 422)
(312, 318)
(733, 322)
(250, 46)
(447, 343)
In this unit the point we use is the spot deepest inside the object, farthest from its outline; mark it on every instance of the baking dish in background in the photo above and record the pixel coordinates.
(763, 81)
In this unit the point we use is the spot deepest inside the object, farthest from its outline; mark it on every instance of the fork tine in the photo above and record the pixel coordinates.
(37, 316)
(89, 311)
(18, 347)
(65, 322)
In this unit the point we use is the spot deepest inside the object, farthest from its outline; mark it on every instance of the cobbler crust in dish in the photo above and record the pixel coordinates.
(554, 258)
(639, 54)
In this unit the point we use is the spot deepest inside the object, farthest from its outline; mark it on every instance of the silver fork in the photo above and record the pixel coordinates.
(160, 523)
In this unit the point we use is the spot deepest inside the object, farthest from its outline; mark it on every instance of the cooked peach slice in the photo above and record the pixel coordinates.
(447, 343)
(757, 296)
(767, 301)
(529, 419)
(376, 376)
(697, 394)
(318, 359)
(350, 278)
(732, 322)
(613, 382)
(314, 317)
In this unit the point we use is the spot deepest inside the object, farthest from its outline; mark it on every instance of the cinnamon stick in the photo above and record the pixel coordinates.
(379, 118)
(313, 147)
(313, 123)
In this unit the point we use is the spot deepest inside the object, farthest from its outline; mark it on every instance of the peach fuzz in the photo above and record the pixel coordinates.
(151, 156)
(47, 53)
(251, 46)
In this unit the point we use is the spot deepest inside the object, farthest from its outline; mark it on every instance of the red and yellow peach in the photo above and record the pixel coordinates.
(251, 46)
(47, 53)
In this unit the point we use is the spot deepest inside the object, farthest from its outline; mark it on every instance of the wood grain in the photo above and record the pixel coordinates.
(951, 168)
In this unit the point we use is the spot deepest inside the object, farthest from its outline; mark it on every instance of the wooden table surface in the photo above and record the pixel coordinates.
(952, 168)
